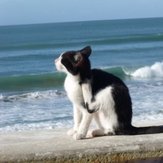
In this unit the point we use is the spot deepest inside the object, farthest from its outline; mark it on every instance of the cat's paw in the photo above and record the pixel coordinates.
(98, 132)
(77, 136)
(109, 132)
(71, 132)
(92, 107)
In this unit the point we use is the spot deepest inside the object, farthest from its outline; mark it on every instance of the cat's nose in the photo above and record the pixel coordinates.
(56, 60)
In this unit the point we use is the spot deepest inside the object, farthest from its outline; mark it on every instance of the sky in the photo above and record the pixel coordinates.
(13, 12)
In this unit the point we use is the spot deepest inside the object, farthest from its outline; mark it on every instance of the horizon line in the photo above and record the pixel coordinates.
(77, 21)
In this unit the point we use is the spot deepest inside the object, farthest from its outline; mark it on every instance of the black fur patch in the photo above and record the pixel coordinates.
(69, 62)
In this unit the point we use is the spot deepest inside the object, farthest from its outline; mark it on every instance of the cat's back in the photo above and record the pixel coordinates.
(102, 79)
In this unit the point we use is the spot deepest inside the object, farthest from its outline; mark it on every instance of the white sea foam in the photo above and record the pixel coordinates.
(34, 110)
(36, 126)
(147, 102)
(1, 97)
(154, 71)
(33, 95)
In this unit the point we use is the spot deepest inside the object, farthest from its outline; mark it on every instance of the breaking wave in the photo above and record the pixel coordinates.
(154, 71)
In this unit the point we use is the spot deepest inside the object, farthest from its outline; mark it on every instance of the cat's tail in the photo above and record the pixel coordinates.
(143, 130)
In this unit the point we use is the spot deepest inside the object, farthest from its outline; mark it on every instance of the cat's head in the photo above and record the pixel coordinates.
(74, 62)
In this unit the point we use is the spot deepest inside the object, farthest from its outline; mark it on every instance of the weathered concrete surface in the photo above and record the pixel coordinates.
(56, 146)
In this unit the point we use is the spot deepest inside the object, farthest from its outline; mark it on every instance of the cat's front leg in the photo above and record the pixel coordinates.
(84, 126)
(77, 115)
(87, 91)
(90, 102)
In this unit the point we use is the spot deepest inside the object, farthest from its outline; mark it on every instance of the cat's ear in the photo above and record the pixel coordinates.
(86, 52)
(69, 66)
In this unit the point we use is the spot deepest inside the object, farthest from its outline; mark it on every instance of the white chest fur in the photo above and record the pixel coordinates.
(73, 90)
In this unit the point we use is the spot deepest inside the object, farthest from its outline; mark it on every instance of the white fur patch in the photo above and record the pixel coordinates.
(107, 114)
(107, 117)
(87, 91)
(73, 89)
(59, 66)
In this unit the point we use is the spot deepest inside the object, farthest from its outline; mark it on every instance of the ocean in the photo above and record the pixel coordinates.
(32, 96)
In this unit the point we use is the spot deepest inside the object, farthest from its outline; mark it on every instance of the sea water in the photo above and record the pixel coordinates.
(31, 90)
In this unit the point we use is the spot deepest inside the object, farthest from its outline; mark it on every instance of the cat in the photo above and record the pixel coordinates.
(98, 95)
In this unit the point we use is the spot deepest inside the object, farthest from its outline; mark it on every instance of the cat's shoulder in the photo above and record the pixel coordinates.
(96, 71)
(105, 77)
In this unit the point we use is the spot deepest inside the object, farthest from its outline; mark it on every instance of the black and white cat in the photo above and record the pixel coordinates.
(95, 94)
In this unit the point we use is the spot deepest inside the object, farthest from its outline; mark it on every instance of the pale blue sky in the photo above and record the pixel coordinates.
(42, 11)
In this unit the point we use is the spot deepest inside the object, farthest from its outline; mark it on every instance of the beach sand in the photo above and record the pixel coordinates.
(56, 146)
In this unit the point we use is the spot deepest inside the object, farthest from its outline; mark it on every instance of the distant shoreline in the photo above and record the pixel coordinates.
(63, 22)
